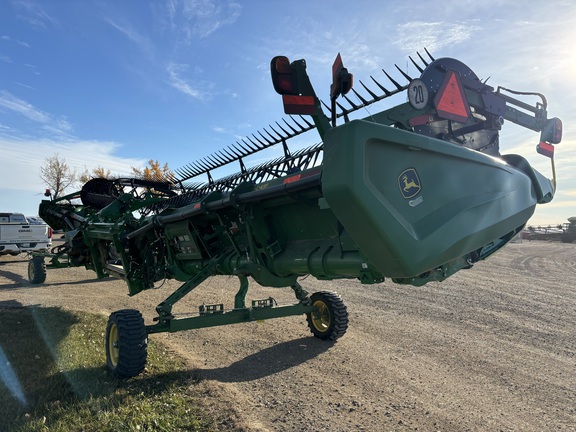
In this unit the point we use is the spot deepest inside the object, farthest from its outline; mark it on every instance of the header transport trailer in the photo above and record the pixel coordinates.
(413, 193)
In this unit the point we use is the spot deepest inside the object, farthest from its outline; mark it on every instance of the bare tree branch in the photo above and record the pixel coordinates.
(57, 175)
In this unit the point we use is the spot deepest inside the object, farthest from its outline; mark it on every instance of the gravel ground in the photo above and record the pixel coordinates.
(490, 349)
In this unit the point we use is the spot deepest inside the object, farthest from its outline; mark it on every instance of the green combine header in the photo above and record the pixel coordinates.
(413, 193)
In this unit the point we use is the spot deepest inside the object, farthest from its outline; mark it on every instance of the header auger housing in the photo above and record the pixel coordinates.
(414, 193)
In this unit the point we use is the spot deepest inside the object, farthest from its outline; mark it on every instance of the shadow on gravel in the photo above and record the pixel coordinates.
(269, 361)
(13, 260)
(20, 281)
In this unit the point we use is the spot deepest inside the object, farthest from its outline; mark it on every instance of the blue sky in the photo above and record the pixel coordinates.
(115, 83)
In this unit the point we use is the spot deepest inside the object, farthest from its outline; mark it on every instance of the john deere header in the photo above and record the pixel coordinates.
(413, 193)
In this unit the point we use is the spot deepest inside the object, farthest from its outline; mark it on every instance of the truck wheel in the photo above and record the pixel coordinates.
(36, 270)
(329, 320)
(126, 343)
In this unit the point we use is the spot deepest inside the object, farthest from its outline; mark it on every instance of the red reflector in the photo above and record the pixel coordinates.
(450, 101)
(285, 83)
(423, 119)
(545, 149)
(294, 104)
(50, 232)
(557, 137)
(292, 179)
(197, 205)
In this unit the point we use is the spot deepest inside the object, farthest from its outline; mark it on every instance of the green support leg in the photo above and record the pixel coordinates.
(164, 309)
(301, 293)
(240, 298)
(240, 313)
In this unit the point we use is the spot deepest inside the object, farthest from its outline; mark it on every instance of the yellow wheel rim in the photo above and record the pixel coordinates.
(321, 319)
(113, 350)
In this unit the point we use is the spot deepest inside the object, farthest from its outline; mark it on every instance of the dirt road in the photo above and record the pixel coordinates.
(490, 349)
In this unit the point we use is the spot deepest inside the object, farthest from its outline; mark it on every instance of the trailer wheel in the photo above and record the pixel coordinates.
(126, 343)
(36, 270)
(329, 321)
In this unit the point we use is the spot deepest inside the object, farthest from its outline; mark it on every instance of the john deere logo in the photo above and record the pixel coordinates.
(409, 183)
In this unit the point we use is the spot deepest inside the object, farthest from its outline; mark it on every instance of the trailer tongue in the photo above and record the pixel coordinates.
(414, 193)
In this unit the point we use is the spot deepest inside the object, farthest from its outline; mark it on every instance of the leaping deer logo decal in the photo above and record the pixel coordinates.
(409, 183)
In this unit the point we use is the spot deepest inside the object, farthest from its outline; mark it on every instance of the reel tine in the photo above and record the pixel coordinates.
(344, 110)
(242, 151)
(280, 137)
(326, 106)
(194, 169)
(408, 77)
(370, 92)
(310, 125)
(249, 148)
(351, 103)
(283, 130)
(232, 149)
(227, 155)
(222, 160)
(263, 145)
(266, 139)
(182, 173)
(420, 69)
(202, 163)
(231, 155)
(429, 55)
(384, 89)
(213, 161)
(290, 126)
(398, 86)
(359, 96)
(422, 58)
(187, 171)
(302, 128)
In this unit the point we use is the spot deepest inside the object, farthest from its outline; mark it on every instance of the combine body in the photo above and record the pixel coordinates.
(414, 193)
(566, 232)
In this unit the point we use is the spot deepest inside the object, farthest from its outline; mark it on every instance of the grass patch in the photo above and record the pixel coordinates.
(53, 376)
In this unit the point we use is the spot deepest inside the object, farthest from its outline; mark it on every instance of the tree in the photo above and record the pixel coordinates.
(154, 171)
(57, 174)
(98, 172)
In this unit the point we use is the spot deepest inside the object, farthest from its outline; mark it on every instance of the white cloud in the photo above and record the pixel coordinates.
(10, 39)
(34, 14)
(175, 78)
(22, 159)
(54, 125)
(200, 18)
(414, 35)
(145, 45)
(20, 184)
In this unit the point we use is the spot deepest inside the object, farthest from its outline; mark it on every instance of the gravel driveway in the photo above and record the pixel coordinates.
(490, 349)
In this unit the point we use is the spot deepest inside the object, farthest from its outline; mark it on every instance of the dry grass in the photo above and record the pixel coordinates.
(53, 377)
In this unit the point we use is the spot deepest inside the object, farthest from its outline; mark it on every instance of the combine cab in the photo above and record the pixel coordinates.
(413, 193)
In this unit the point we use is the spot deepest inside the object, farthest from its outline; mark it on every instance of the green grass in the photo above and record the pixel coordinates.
(53, 377)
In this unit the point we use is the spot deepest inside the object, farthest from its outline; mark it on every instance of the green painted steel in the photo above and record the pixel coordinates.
(413, 203)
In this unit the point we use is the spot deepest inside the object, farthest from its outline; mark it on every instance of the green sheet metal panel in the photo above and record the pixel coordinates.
(412, 203)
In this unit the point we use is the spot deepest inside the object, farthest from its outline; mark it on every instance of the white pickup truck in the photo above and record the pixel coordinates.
(18, 234)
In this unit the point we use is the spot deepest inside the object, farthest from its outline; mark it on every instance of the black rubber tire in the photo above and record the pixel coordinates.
(331, 320)
(126, 343)
(36, 270)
